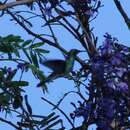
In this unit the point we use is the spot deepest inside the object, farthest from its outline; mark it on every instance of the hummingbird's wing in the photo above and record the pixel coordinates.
(55, 65)
(50, 78)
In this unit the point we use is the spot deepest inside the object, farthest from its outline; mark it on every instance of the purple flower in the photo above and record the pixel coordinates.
(9, 70)
(90, 12)
(120, 71)
(103, 124)
(22, 66)
(115, 61)
(106, 108)
(125, 50)
(111, 84)
(98, 68)
(119, 55)
(1, 57)
(108, 68)
(88, 1)
(107, 48)
(48, 11)
(111, 101)
(54, 3)
(122, 87)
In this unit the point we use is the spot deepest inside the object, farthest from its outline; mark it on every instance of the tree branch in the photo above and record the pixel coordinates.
(123, 13)
(10, 123)
(45, 40)
(15, 3)
(59, 110)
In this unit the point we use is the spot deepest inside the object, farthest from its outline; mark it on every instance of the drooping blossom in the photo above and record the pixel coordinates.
(110, 97)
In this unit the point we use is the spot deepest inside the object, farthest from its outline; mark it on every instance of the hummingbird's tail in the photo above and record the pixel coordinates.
(50, 78)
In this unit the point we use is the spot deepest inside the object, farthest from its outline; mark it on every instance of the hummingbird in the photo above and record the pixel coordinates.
(60, 68)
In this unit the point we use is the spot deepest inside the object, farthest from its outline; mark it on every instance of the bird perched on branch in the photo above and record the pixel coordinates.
(60, 68)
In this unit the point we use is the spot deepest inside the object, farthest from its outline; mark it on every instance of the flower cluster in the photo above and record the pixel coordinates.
(49, 5)
(53, 3)
(23, 66)
(114, 62)
(86, 6)
(110, 94)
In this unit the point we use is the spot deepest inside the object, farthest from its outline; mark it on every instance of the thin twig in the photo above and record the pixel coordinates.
(15, 3)
(65, 95)
(10, 123)
(59, 110)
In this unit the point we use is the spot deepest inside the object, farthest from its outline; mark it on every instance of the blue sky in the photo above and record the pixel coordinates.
(109, 20)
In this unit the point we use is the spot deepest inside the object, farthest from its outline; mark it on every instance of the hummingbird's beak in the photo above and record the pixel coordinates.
(82, 51)
(79, 51)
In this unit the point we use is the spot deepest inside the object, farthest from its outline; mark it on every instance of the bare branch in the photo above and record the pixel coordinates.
(10, 123)
(123, 13)
(15, 3)
(59, 110)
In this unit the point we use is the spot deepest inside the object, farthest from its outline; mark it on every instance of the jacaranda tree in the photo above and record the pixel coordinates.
(103, 75)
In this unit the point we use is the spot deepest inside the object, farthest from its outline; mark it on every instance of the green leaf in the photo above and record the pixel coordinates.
(35, 70)
(28, 105)
(1, 75)
(26, 43)
(17, 102)
(26, 54)
(16, 52)
(4, 99)
(34, 58)
(39, 74)
(39, 50)
(36, 45)
(17, 83)
(6, 48)
(10, 44)
(11, 38)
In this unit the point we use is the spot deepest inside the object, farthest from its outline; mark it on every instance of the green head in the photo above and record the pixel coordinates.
(75, 52)
(70, 60)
